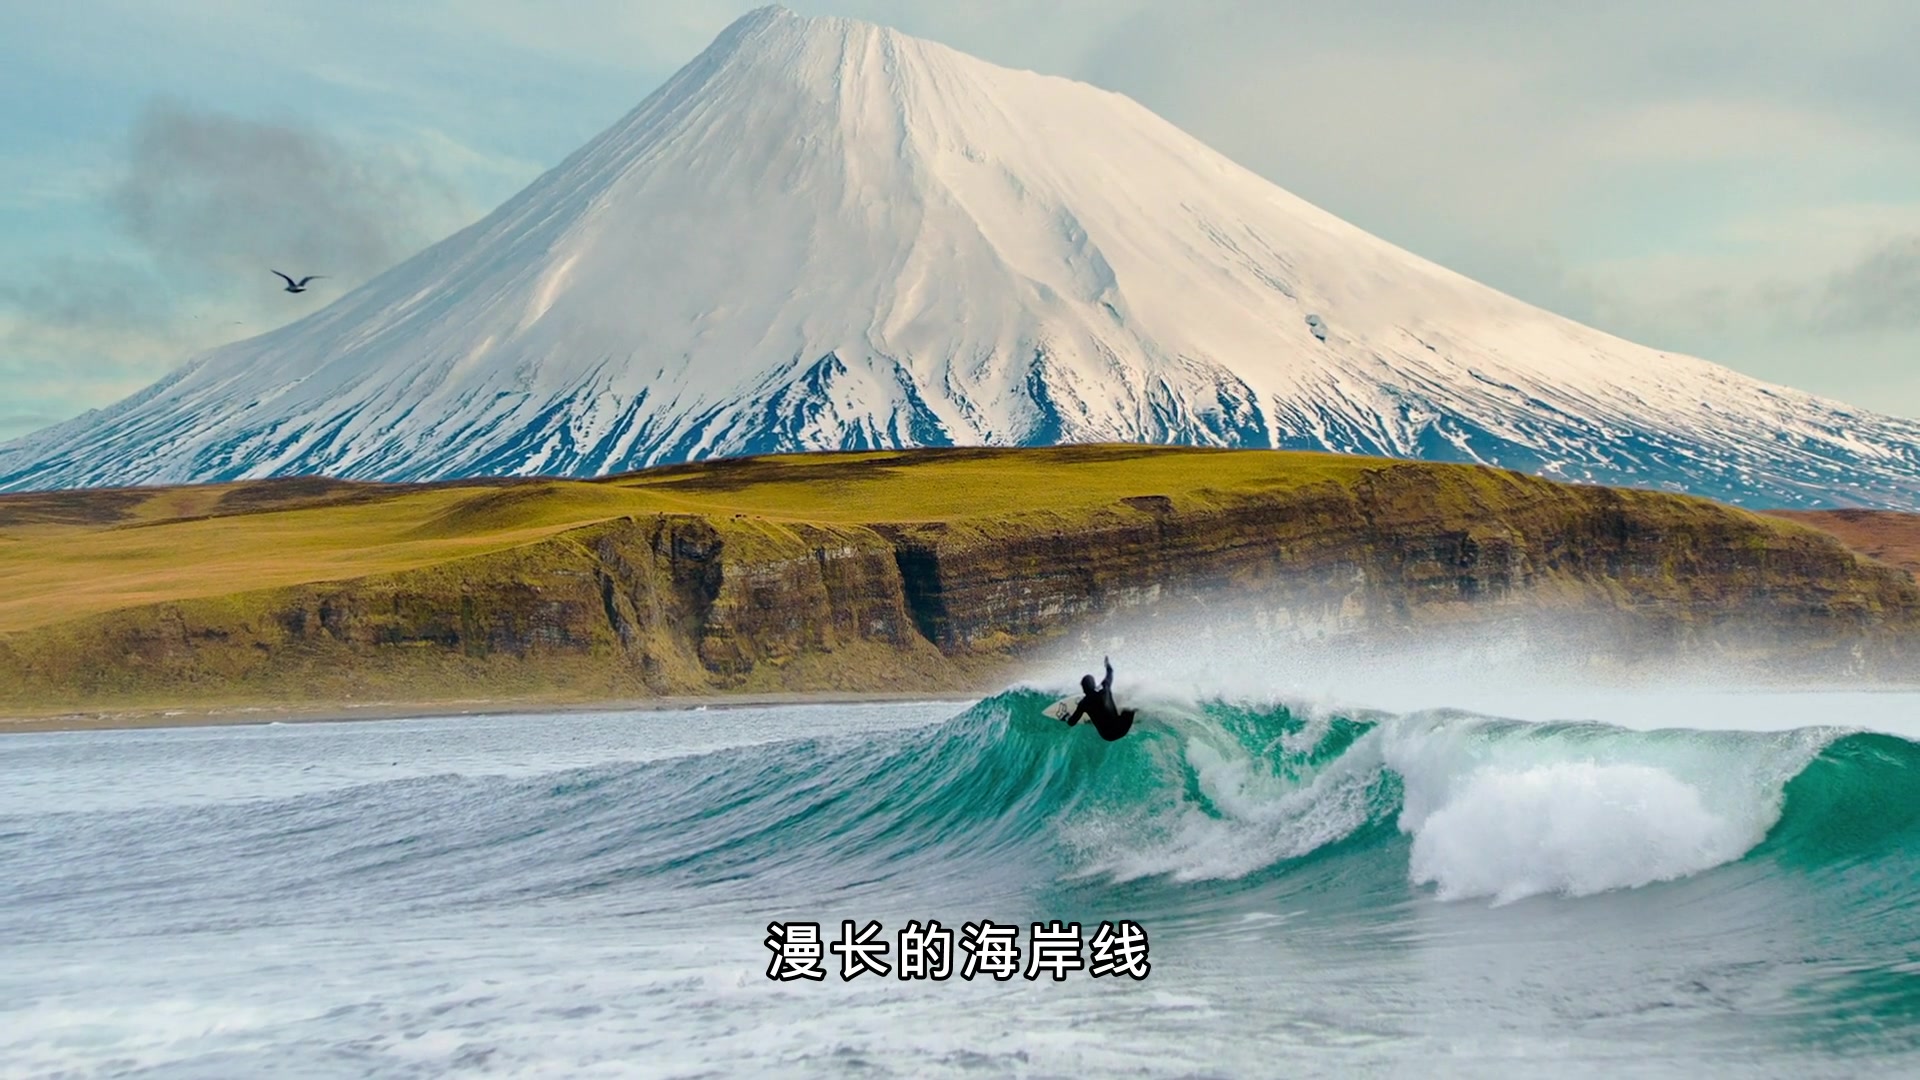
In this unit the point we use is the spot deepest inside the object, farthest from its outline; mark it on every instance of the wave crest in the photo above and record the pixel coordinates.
(1475, 807)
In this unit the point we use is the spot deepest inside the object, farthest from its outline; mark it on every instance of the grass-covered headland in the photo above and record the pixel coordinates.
(847, 572)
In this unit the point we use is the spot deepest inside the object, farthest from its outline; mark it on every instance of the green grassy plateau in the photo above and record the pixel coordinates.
(68, 554)
(789, 573)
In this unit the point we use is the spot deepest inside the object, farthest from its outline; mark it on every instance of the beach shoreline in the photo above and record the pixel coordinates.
(137, 719)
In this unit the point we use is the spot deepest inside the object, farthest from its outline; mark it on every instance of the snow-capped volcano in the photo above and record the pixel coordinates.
(826, 234)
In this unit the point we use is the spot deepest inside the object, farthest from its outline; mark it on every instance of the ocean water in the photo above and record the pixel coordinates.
(1669, 886)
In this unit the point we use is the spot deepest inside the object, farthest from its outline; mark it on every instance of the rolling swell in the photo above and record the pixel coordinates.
(1001, 800)
(1857, 801)
(1465, 806)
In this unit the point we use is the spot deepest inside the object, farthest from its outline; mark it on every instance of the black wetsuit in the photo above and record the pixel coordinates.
(1111, 722)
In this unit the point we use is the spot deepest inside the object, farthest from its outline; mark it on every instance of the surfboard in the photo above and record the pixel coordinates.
(1061, 709)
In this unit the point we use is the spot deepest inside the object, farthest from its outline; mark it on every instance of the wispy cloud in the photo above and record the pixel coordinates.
(1879, 292)
(1679, 171)
(206, 204)
(222, 197)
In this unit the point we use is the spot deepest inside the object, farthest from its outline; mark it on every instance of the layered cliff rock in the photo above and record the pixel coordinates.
(1882, 535)
(719, 585)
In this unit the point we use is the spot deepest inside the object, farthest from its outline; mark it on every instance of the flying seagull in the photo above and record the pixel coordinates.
(298, 286)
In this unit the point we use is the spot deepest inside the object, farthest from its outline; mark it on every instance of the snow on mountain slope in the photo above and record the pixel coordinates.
(825, 234)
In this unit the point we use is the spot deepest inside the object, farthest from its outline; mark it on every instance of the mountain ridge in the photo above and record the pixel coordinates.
(825, 234)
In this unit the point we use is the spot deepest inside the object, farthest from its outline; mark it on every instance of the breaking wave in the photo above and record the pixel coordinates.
(1450, 805)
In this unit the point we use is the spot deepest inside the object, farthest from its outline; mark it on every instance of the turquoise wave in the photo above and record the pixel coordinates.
(1223, 791)
(1337, 810)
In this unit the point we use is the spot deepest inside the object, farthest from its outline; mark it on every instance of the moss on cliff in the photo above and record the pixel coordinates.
(847, 572)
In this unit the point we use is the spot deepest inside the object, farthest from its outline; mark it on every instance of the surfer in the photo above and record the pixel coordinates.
(1110, 721)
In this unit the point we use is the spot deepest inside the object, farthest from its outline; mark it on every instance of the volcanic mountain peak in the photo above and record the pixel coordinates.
(822, 233)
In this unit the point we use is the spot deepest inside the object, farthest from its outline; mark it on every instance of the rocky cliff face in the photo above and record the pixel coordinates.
(1883, 535)
(1398, 553)
(695, 603)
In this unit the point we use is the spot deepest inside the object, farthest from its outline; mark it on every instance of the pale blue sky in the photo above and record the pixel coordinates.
(1738, 179)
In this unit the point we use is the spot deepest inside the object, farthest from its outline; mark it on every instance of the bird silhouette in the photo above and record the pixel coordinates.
(298, 286)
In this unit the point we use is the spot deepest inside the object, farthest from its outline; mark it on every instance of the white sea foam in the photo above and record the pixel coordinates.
(1516, 810)
(1251, 818)
(205, 941)
(1573, 828)
(1500, 810)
